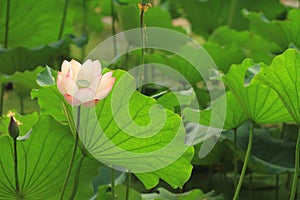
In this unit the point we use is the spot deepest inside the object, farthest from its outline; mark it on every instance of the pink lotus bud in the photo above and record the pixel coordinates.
(13, 128)
(84, 84)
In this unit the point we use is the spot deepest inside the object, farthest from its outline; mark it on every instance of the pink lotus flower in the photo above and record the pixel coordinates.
(84, 84)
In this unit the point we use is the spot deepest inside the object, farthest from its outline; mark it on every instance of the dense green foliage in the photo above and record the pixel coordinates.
(255, 46)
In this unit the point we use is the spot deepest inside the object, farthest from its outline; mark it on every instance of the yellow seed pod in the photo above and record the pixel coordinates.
(144, 7)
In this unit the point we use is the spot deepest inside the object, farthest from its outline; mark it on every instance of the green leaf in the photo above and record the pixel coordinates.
(287, 31)
(251, 45)
(268, 156)
(87, 13)
(173, 100)
(224, 55)
(190, 195)
(175, 174)
(50, 101)
(260, 103)
(184, 69)
(235, 115)
(43, 162)
(218, 154)
(33, 23)
(45, 77)
(207, 15)
(24, 58)
(104, 193)
(182, 66)
(283, 76)
(134, 127)
(23, 82)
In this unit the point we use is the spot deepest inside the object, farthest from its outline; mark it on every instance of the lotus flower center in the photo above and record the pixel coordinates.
(82, 83)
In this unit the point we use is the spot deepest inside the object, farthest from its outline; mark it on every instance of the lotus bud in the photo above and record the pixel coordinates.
(13, 128)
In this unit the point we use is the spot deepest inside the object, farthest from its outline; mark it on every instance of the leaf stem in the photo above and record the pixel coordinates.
(235, 160)
(6, 24)
(142, 60)
(248, 152)
(77, 175)
(73, 156)
(21, 105)
(5, 46)
(61, 30)
(128, 185)
(2, 87)
(277, 187)
(83, 28)
(231, 12)
(113, 173)
(296, 174)
(113, 28)
(16, 167)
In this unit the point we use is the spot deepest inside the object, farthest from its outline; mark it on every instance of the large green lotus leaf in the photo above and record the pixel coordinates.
(33, 23)
(23, 58)
(171, 173)
(207, 15)
(287, 31)
(260, 103)
(235, 114)
(283, 76)
(252, 45)
(195, 194)
(43, 160)
(129, 130)
(25, 122)
(268, 155)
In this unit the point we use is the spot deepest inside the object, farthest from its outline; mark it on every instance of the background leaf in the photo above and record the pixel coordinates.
(287, 31)
(33, 23)
(207, 15)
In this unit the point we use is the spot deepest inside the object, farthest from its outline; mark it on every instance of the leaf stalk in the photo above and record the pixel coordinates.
(248, 152)
(297, 165)
(73, 156)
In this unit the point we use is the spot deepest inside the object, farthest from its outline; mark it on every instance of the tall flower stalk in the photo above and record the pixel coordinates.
(73, 155)
(297, 165)
(13, 130)
(128, 185)
(248, 152)
(83, 27)
(113, 173)
(235, 160)
(143, 6)
(113, 28)
(63, 20)
(6, 24)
